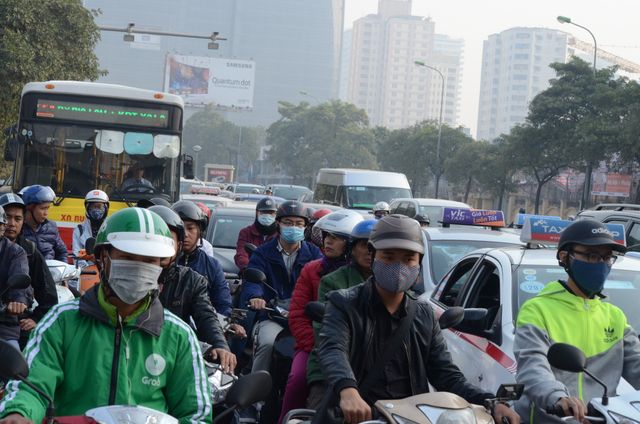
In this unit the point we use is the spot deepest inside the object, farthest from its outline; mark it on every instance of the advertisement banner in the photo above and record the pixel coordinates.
(611, 184)
(227, 83)
(548, 231)
(219, 174)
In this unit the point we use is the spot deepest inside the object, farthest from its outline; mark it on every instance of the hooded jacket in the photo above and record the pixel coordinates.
(47, 240)
(83, 356)
(597, 328)
(211, 269)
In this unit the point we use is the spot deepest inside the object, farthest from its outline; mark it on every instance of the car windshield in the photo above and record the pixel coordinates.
(225, 229)
(246, 189)
(622, 287)
(290, 193)
(445, 253)
(364, 197)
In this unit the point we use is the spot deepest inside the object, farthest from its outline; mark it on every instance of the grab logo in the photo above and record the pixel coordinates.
(155, 364)
(147, 381)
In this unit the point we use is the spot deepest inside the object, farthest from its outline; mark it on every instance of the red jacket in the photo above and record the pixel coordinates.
(305, 291)
(248, 234)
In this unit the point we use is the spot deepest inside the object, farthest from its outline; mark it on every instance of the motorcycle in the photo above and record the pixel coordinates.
(65, 276)
(621, 409)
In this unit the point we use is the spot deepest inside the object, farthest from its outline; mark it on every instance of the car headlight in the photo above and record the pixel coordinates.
(457, 416)
(621, 419)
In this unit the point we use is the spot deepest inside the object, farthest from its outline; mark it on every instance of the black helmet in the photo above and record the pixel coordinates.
(11, 199)
(172, 219)
(422, 219)
(147, 203)
(588, 232)
(189, 211)
(397, 232)
(266, 204)
(292, 208)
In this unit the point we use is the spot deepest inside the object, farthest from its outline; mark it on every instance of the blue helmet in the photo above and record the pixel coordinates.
(362, 230)
(11, 199)
(37, 194)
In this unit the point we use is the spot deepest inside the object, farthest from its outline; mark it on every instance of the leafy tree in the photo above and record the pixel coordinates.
(464, 167)
(498, 164)
(333, 133)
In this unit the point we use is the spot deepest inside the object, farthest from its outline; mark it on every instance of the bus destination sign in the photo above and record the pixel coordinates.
(102, 113)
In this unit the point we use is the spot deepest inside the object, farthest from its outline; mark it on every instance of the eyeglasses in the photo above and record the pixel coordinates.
(287, 223)
(595, 257)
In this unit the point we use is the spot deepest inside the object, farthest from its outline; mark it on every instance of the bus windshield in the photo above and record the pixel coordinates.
(74, 159)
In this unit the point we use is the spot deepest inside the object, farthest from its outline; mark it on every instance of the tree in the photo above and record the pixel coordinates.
(464, 167)
(307, 138)
(498, 165)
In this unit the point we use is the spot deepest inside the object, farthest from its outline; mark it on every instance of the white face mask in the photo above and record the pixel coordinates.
(133, 280)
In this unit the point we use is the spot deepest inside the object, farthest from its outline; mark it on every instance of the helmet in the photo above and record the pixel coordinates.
(206, 211)
(319, 213)
(172, 219)
(588, 232)
(266, 204)
(22, 190)
(11, 199)
(340, 223)
(397, 232)
(362, 230)
(189, 211)
(292, 208)
(96, 196)
(422, 219)
(37, 194)
(147, 203)
(381, 207)
(3, 216)
(255, 191)
(136, 231)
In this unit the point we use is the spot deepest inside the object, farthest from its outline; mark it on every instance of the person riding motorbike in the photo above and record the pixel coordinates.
(381, 209)
(184, 292)
(356, 272)
(376, 342)
(423, 220)
(281, 260)
(336, 229)
(309, 234)
(571, 311)
(44, 288)
(39, 229)
(194, 257)
(116, 344)
(263, 229)
(96, 205)
(13, 260)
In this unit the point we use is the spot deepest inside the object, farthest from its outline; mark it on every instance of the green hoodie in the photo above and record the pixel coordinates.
(84, 357)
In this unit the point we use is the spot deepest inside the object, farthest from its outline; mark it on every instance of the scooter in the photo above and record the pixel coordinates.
(64, 275)
(245, 391)
(621, 409)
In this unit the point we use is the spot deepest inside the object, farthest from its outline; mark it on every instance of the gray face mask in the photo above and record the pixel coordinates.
(396, 277)
(131, 281)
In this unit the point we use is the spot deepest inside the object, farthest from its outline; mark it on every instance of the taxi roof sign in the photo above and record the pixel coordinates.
(479, 217)
(521, 217)
(547, 231)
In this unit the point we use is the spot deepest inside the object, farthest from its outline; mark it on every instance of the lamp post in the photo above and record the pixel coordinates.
(420, 63)
(196, 149)
(586, 189)
(304, 93)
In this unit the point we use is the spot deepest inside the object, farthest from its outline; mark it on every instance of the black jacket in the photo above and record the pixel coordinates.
(44, 288)
(13, 260)
(184, 292)
(348, 329)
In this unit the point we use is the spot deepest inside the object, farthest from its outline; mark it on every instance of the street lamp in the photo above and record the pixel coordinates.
(566, 20)
(196, 149)
(420, 63)
(304, 93)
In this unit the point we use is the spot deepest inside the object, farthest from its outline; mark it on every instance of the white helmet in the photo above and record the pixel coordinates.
(340, 223)
(381, 207)
(96, 196)
(96, 215)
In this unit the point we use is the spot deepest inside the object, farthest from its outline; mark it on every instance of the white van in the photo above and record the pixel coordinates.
(359, 188)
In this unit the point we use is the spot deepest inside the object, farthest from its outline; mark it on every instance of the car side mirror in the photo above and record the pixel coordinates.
(452, 317)
(476, 321)
(566, 357)
(254, 275)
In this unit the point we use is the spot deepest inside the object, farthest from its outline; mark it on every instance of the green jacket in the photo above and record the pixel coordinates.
(84, 357)
(597, 328)
(343, 278)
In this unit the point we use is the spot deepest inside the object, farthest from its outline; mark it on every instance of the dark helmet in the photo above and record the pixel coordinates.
(11, 199)
(147, 203)
(3, 216)
(588, 232)
(362, 230)
(266, 204)
(397, 232)
(422, 219)
(292, 208)
(189, 211)
(172, 219)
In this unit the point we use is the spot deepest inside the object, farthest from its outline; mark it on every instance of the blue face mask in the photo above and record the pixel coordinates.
(96, 214)
(266, 219)
(291, 234)
(589, 277)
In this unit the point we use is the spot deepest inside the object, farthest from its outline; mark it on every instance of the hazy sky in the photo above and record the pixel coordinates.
(614, 23)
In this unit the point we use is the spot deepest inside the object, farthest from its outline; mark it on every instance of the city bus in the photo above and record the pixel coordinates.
(77, 136)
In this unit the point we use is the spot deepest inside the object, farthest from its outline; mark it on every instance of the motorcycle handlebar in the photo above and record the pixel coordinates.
(559, 412)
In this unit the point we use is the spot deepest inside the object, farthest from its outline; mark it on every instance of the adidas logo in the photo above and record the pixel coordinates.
(609, 335)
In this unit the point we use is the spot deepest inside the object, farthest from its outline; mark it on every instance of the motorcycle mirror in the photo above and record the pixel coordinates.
(13, 365)
(315, 311)
(566, 357)
(254, 275)
(18, 281)
(250, 248)
(90, 245)
(451, 317)
(249, 389)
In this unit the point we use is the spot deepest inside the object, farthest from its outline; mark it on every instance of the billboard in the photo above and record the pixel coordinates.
(227, 83)
(611, 184)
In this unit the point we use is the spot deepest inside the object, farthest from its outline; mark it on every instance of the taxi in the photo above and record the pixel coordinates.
(491, 284)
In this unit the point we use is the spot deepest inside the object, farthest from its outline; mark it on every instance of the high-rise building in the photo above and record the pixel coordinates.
(383, 78)
(296, 45)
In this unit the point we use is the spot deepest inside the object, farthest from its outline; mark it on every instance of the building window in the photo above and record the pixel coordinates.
(521, 56)
(520, 77)
(522, 46)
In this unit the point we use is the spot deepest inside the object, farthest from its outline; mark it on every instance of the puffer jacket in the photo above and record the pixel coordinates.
(184, 293)
(598, 328)
(47, 240)
(211, 269)
(306, 291)
(348, 328)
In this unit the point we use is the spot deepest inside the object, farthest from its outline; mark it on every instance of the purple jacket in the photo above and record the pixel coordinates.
(47, 240)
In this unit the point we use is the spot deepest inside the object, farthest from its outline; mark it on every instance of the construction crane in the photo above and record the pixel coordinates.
(623, 64)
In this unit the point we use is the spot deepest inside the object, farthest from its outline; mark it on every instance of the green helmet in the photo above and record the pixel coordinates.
(137, 231)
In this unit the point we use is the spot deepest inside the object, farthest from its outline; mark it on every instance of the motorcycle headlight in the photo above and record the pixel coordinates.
(622, 419)
(457, 416)
(399, 420)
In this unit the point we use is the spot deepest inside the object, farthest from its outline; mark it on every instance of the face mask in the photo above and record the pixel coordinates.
(132, 280)
(266, 219)
(96, 214)
(396, 277)
(292, 234)
(589, 277)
